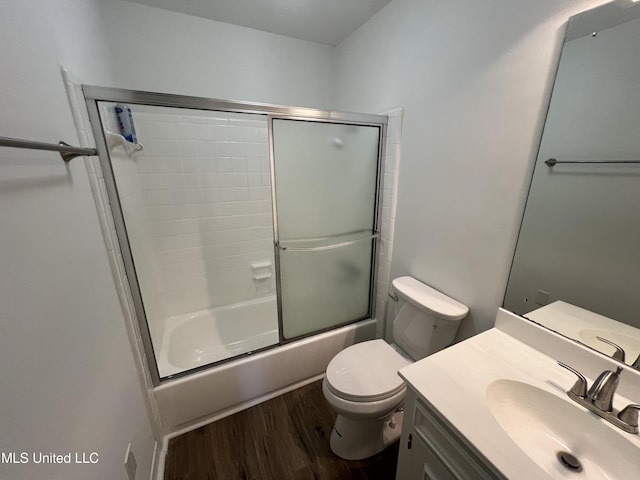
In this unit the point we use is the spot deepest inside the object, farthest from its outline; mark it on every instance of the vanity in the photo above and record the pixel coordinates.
(499, 405)
(496, 407)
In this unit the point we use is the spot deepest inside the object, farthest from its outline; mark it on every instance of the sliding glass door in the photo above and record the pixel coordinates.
(326, 182)
(196, 203)
(200, 202)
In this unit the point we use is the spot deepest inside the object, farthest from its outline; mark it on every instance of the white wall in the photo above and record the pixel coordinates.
(474, 79)
(69, 381)
(161, 51)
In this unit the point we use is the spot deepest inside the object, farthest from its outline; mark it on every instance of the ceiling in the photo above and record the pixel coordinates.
(321, 21)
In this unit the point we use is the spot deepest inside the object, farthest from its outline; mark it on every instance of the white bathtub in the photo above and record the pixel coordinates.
(208, 395)
(200, 338)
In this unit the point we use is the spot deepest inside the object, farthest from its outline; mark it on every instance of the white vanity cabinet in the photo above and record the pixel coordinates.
(431, 450)
(494, 407)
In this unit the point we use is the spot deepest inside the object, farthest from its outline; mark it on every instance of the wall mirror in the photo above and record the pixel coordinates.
(576, 269)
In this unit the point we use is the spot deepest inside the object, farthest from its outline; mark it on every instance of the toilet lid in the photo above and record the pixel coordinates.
(366, 371)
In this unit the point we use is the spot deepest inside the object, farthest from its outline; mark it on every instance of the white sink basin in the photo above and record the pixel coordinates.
(544, 425)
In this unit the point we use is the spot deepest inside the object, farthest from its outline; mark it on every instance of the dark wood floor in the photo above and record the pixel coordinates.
(286, 438)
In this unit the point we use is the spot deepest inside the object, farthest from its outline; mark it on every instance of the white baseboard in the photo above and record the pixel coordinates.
(160, 454)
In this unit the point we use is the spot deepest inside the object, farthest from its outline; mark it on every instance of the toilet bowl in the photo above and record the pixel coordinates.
(362, 386)
(361, 383)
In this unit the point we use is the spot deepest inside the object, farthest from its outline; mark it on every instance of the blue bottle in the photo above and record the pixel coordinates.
(125, 123)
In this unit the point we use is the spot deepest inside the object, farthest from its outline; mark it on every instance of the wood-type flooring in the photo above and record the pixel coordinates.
(286, 438)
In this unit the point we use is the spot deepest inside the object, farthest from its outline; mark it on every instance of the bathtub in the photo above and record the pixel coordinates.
(188, 402)
(208, 336)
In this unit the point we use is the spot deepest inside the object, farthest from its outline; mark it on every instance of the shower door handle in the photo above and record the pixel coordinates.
(327, 247)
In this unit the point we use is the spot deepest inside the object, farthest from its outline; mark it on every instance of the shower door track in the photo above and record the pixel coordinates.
(95, 94)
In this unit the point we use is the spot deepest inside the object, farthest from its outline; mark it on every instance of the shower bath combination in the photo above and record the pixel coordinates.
(245, 229)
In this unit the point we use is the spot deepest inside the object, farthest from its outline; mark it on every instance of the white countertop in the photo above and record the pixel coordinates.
(455, 380)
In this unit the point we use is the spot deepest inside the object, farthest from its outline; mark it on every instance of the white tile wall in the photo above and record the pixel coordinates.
(203, 184)
(384, 308)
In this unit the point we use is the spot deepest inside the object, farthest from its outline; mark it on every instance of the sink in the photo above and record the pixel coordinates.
(562, 438)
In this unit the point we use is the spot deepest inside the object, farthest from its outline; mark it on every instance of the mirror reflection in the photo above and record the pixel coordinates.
(576, 267)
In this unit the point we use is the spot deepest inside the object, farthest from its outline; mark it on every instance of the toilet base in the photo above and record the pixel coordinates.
(358, 438)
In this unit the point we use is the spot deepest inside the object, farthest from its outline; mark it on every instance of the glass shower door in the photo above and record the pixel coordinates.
(196, 206)
(326, 179)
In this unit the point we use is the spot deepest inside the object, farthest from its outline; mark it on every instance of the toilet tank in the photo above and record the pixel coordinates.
(426, 320)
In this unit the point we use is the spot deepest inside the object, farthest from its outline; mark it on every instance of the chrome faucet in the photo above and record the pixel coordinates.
(599, 398)
(602, 391)
(619, 354)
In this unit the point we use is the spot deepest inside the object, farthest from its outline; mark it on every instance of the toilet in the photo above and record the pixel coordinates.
(362, 383)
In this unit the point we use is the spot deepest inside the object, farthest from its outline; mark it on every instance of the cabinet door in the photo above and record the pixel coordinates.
(413, 451)
(421, 462)
(430, 450)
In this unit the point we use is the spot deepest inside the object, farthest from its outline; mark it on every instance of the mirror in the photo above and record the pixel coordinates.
(576, 269)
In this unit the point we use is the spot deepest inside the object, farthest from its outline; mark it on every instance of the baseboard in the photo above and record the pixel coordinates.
(159, 456)
(182, 429)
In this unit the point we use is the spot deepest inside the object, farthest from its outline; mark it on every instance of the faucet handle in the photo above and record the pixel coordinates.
(636, 364)
(580, 387)
(629, 415)
(619, 353)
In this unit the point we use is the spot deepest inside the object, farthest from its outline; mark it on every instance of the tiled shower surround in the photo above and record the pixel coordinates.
(201, 198)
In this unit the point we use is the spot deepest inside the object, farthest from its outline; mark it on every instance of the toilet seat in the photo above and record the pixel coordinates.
(366, 372)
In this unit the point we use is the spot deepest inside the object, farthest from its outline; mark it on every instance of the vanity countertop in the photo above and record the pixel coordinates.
(455, 381)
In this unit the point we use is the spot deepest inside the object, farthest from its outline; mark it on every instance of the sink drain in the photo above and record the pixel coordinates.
(569, 462)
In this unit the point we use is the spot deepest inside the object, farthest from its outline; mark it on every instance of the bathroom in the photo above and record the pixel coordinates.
(473, 80)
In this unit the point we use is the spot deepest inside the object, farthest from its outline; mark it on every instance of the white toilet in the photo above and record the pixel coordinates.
(361, 382)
